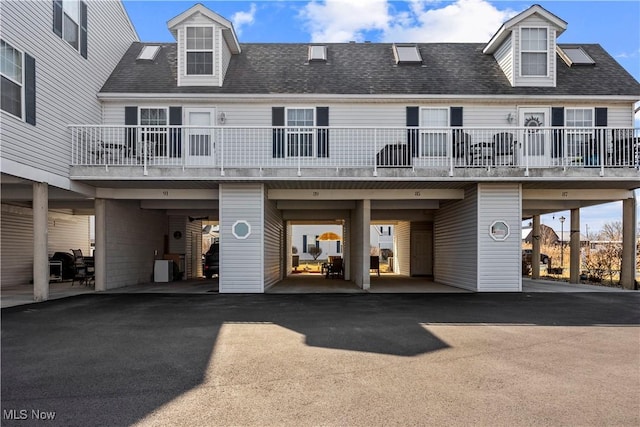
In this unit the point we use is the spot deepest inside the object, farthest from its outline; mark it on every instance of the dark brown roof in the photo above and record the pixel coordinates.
(368, 68)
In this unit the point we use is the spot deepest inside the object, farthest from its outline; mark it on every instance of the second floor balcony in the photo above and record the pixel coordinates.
(365, 152)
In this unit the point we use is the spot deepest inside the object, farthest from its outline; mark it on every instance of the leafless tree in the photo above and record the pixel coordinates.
(315, 251)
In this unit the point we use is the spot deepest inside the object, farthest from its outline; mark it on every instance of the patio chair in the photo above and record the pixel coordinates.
(84, 271)
(374, 263)
(504, 146)
(335, 269)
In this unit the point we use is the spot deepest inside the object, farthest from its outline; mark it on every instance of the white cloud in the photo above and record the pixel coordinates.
(241, 19)
(423, 21)
(335, 21)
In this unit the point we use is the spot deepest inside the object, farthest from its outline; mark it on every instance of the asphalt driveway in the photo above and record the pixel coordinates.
(349, 359)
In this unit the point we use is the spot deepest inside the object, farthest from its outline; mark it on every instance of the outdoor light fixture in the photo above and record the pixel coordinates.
(510, 118)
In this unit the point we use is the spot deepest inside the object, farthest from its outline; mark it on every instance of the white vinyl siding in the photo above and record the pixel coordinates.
(499, 202)
(66, 232)
(504, 58)
(66, 83)
(225, 58)
(241, 260)
(402, 248)
(273, 243)
(456, 242)
(134, 237)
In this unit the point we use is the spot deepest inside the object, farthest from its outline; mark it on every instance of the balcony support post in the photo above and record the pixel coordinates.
(629, 242)
(535, 243)
(574, 242)
(221, 152)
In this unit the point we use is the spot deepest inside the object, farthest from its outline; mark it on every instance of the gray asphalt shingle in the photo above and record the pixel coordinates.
(367, 68)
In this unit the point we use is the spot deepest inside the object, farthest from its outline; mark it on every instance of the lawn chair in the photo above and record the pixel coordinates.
(335, 269)
(84, 271)
(374, 263)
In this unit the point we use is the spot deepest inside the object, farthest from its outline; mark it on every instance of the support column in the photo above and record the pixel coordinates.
(40, 241)
(629, 239)
(535, 254)
(362, 244)
(574, 250)
(100, 254)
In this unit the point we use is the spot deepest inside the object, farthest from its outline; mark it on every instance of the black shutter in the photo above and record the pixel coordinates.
(460, 143)
(601, 120)
(30, 89)
(557, 120)
(277, 119)
(456, 116)
(83, 29)
(322, 119)
(57, 17)
(601, 117)
(131, 119)
(413, 120)
(175, 139)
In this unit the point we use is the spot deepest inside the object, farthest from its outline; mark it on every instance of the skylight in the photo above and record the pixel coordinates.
(149, 53)
(575, 56)
(407, 54)
(317, 53)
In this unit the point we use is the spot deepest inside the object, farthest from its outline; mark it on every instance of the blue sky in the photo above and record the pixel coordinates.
(613, 24)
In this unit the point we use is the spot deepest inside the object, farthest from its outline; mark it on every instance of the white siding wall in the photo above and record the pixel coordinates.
(550, 80)
(402, 248)
(456, 242)
(66, 83)
(177, 223)
(133, 238)
(241, 260)
(504, 57)
(66, 232)
(273, 243)
(225, 58)
(499, 262)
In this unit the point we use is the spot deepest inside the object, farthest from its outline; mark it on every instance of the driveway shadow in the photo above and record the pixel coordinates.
(107, 359)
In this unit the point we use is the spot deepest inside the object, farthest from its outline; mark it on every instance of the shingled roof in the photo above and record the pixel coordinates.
(367, 69)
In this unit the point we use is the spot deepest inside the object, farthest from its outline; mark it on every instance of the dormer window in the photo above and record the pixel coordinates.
(199, 50)
(533, 52)
(407, 54)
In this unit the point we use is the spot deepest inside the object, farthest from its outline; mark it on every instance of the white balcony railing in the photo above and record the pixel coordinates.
(224, 147)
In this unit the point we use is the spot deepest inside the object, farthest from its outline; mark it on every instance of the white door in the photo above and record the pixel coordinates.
(200, 144)
(421, 253)
(536, 143)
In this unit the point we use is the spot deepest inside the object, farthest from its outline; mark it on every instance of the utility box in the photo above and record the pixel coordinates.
(163, 270)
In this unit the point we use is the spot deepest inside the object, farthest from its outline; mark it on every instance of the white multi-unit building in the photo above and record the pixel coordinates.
(452, 143)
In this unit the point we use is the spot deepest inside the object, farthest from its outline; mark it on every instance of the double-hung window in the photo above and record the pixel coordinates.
(579, 124)
(534, 52)
(70, 23)
(154, 130)
(199, 50)
(300, 141)
(434, 141)
(11, 75)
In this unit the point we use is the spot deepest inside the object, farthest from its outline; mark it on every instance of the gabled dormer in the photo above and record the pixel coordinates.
(206, 42)
(525, 47)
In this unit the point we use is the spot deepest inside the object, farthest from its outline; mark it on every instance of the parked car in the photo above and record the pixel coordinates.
(211, 264)
(527, 253)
